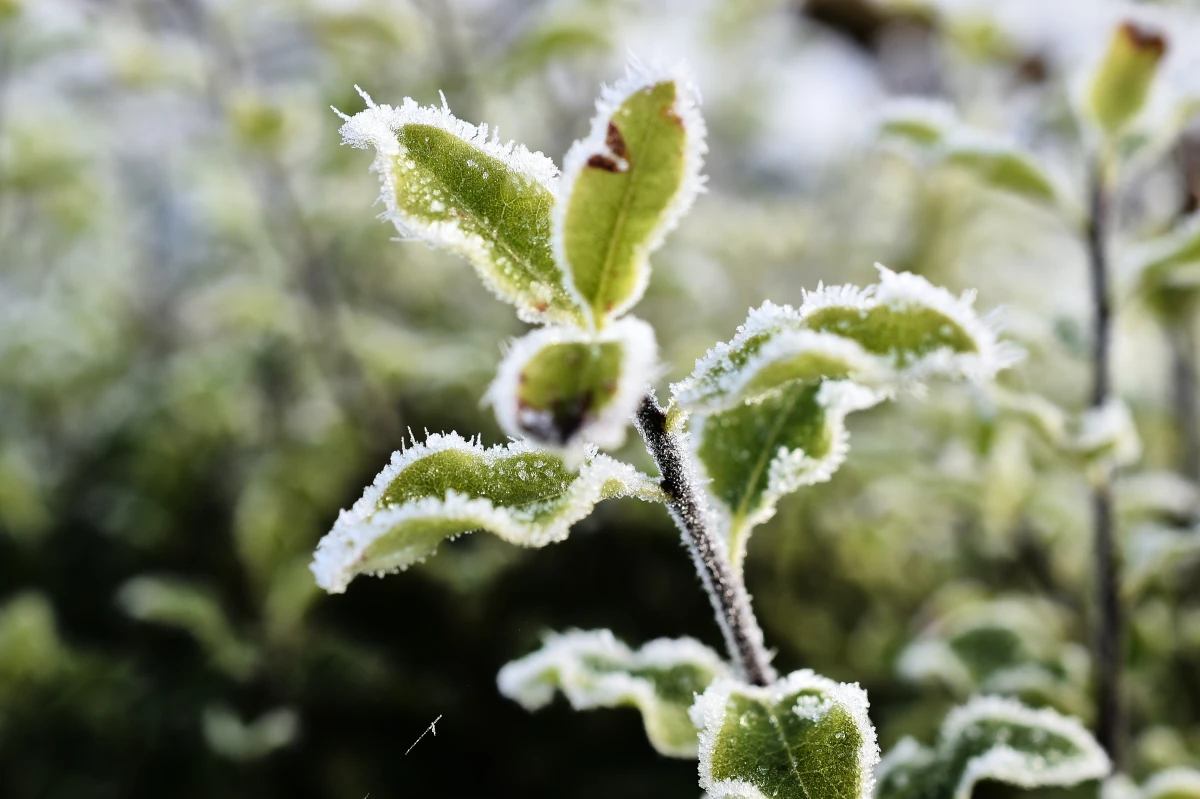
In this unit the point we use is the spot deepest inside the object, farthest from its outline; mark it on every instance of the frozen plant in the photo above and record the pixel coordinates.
(760, 417)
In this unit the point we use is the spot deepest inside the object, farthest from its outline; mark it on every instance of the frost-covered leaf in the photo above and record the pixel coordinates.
(448, 486)
(1121, 84)
(177, 603)
(594, 669)
(1101, 438)
(1158, 554)
(931, 131)
(991, 738)
(1001, 165)
(1015, 645)
(565, 387)
(1175, 783)
(899, 332)
(755, 453)
(916, 122)
(803, 737)
(230, 737)
(1168, 266)
(450, 183)
(627, 185)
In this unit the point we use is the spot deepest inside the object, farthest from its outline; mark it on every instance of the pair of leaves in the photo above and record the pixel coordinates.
(1099, 439)
(594, 669)
(1015, 645)
(991, 738)
(931, 131)
(572, 253)
(448, 486)
(770, 405)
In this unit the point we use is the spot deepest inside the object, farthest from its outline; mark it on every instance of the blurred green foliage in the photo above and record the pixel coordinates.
(208, 345)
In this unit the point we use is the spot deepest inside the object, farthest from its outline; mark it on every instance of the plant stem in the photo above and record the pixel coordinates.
(689, 508)
(1183, 395)
(1109, 632)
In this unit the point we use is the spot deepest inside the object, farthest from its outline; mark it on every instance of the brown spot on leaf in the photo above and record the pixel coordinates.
(1144, 39)
(598, 161)
(669, 113)
(616, 142)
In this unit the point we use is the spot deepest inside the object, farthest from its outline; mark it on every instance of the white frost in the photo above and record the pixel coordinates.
(344, 552)
(710, 709)
(638, 76)
(607, 428)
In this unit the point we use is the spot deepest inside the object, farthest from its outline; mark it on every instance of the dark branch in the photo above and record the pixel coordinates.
(690, 511)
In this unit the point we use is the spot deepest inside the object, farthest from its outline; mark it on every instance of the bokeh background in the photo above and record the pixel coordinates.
(209, 344)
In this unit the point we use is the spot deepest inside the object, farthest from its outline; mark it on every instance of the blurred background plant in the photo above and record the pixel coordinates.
(207, 347)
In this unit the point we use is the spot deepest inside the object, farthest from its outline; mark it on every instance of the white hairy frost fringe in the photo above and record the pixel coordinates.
(709, 389)
(1025, 770)
(708, 714)
(639, 367)
(341, 553)
(700, 390)
(377, 127)
(563, 655)
(638, 76)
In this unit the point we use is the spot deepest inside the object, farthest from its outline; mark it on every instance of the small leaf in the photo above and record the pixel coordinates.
(931, 131)
(1000, 165)
(804, 737)
(916, 122)
(448, 486)
(990, 738)
(770, 352)
(1175, 783)
(755, 453)
(566, 387)
(1013, 645)
(1168, 267)
(1098, 439)
(626, 186)
(230, 737)
(594, 669)
(176, 603)
(1122, 82)
(449, 183)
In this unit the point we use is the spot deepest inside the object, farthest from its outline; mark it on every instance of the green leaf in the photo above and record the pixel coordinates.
(1175, 783)
(566, 387)
(593, 669)
(803, 737)
(1167, 268)
(1000, 165)
(770, 352)
(991, 738)
(1013, 645)
(230, 737)
(916, 122)
(1123, 79)
(626, 186)
(178, 603)
(448, 486)
(931, 131)
(447, 182)
(755, 453)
